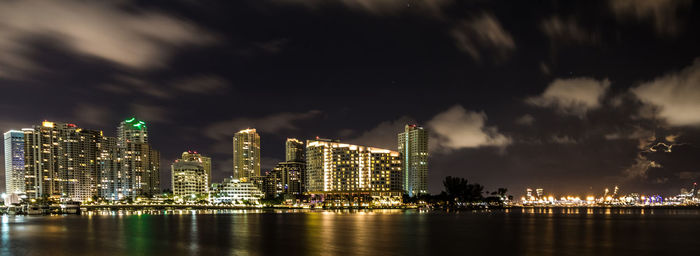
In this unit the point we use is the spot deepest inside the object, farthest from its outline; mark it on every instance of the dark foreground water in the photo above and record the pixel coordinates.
(379, 232)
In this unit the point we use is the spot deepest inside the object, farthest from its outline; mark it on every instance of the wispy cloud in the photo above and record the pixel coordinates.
(271, 123)
(567, 31)
(483, 32)
(113, 31)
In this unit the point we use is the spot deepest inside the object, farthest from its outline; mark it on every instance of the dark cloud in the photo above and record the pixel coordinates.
(151, 113)
(384, 135)
(383, 7)
(663, 14)
(92, 114)
(202, 84)
(269, 124)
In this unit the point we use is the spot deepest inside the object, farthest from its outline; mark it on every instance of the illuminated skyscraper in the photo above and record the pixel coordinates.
(353, 171)
(294, 150)
(132, 131)
(205, 161)
(14, 162)
(61, 161)
(413, 146)
(139, 164)
(246, 154)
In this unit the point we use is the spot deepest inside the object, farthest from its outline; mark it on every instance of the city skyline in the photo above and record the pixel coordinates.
(564, 95)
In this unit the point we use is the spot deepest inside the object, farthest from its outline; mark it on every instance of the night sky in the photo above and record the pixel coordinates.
(570, 96)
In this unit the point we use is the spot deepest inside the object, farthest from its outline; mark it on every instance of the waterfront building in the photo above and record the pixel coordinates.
(235, 191)
(205, 161)
(352, 174)
(61, 161)
(189, 178)
(246, 154)
(139, 170)
(128, 165)
(286, 179)
(14, 162)
(294, 150)
(413, 147)
(293, 177)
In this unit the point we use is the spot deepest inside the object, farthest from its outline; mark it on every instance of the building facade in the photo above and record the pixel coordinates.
(205, 161)
(246, 154)
(14, 162)
(235, 191)
(413, 147)
(333, 167)
(132, 130)
(294, 150)
(61, 161)
(128, 165)
(139, 163)
(189, 178)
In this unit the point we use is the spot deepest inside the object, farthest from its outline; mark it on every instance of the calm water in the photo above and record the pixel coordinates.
(385, 232)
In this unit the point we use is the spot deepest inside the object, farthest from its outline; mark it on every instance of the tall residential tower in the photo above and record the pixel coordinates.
(139, 166)
(61, 161)
(413, 146)
(246, 154)
(14, 162)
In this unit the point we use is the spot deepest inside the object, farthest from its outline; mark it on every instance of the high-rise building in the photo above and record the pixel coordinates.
(139, 164)
(112, 180)
(294, 150)
(189, 178)
(132, 130)
(287, 178)
(413, 146)
(352, 171)
(205, 161)
(61, 161)
(14, 162)
(246, 154)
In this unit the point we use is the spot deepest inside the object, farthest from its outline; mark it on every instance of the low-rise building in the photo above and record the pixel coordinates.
(235, 191)
(189, 178)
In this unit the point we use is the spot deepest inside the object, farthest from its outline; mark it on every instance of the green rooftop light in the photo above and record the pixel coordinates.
(130, 120)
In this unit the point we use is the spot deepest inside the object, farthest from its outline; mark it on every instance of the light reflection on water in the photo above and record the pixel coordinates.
(526, 231)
